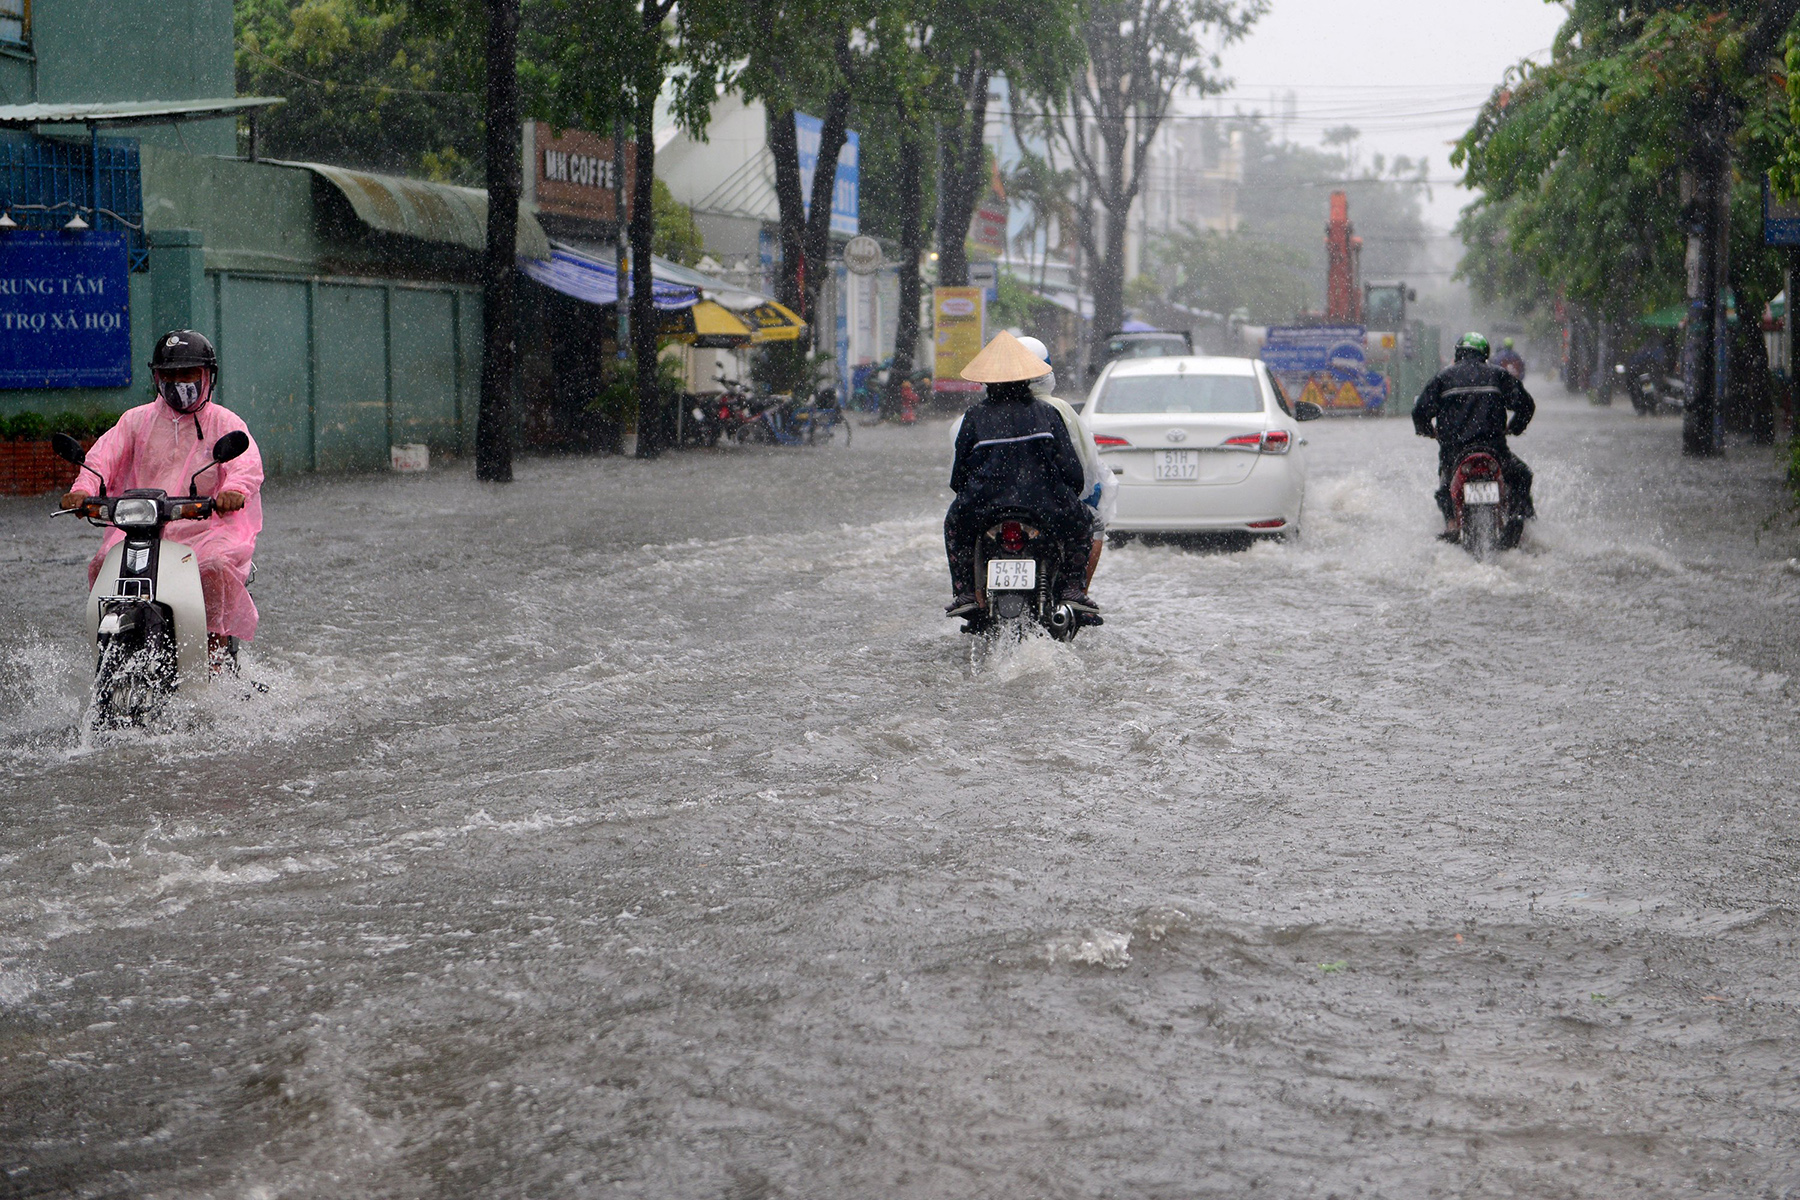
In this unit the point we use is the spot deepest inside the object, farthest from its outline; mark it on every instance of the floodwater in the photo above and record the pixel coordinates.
(641, 830)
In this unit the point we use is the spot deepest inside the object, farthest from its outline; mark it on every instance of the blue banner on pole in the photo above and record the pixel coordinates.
(65, 310)
(844, 196)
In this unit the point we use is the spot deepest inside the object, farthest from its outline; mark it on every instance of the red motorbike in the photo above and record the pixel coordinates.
(1480, 503)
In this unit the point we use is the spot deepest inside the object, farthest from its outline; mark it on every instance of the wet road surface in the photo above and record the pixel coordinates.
(641, 830)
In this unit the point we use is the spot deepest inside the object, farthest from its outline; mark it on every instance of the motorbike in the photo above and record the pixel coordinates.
(1017, 568)
(1652, 391)
(146, 612)
(1478, 494)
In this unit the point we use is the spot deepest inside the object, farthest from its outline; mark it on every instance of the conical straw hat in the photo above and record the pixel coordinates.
(1004, 360)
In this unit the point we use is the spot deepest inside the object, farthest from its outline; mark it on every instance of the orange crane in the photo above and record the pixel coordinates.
(1343, 251)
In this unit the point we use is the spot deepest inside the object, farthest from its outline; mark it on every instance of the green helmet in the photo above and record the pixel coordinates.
(1472, 345)
(1507, 342)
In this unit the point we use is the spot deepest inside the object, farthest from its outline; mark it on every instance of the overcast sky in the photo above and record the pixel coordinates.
(1410, 74)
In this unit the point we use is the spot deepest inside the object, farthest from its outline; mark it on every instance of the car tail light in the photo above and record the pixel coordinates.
(1012, 536)
(1273, 441)
(1109, 443)
(1277, 523)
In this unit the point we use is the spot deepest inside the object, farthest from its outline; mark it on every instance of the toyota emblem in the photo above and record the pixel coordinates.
(1178, 435)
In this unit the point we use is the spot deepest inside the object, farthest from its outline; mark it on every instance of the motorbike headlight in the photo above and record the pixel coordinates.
(134, 514)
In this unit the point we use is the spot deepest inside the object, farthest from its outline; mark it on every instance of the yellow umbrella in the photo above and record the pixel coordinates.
(772, 321)
(707, 324)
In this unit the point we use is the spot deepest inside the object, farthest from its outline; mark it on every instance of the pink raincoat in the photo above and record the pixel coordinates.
(153, 446)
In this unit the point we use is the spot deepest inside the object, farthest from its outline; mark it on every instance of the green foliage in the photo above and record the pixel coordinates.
(1579, 159)
(1017, 306)
(32, 426)
(677, 233)
(367, 84)
(1223, 273)
(617, 398)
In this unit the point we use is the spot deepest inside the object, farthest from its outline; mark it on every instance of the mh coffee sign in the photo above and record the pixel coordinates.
(572, 175)
(65, 311)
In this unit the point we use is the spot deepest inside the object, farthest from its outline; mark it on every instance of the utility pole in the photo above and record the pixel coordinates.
(621, 254)
(1708, 211)
(493, 427)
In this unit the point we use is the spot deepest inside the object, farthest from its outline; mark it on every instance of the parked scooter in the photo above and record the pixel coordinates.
(146, 612)
(1017, 569)
(1652, 392)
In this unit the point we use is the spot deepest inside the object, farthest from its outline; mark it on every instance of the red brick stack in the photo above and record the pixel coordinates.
(29, 467)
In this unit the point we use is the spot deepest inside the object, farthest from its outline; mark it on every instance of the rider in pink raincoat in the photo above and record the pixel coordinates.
(161, 445)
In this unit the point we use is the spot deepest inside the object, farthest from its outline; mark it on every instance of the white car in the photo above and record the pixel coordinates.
(1200, 445)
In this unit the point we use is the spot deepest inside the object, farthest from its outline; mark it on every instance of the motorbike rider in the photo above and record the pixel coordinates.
(1099, 489)
(1465, 408)
(1509, 360)
(1014, 452)
(160, 445)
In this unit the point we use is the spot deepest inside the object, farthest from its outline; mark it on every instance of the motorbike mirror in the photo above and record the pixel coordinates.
(68, 449)
(230, 446)
(1306, 410)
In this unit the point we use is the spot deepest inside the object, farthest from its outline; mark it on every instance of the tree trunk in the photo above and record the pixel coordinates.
(1109, 276)
(493, 425)
(912, 222)
(833, 136)
(965, 156)
(1750, 400)
(1708, 343)
(791, 206)
(652, 419)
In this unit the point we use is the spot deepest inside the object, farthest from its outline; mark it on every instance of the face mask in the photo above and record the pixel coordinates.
(1044, 385)
(184, 397)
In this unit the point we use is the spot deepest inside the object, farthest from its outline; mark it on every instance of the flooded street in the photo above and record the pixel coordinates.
(643, 830)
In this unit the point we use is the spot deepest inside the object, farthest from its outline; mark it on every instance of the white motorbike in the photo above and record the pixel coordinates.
(146, 612)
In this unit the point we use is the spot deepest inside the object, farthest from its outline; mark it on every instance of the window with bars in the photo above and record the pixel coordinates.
(15, 22)
(44, 182)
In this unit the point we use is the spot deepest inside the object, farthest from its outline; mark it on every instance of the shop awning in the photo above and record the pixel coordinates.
(131, 112)
(706, 324)
(773, 321)
(597, 282)
(591, 277)
(430, 212)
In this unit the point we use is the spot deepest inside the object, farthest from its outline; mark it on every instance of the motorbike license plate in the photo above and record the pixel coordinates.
(1178, 464)
(1011, 574)
(1481, 491)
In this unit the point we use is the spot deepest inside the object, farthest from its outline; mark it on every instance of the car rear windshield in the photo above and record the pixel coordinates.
(1180, 394)
(1171, 347)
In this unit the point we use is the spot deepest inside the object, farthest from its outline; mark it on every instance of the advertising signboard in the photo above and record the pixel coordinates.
(957, 316)
(572, 175)
(1781, 223)
(65, 311)
(1325, 365)
(844, 196)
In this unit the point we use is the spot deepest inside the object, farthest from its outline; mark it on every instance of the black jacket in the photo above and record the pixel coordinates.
(1466, 405)
(1014, 452)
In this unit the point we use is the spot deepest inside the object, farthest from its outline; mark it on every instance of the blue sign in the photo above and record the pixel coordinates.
(807, 131)
(1781, 219)
(1325, 365)
(65, 310)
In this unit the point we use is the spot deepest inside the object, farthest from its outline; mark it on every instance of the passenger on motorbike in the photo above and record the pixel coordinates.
(1465, 408)
(1014, 452)
(1099, 489)
(161, 445)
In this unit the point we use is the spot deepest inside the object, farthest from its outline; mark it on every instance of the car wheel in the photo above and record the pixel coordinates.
(1115, 540)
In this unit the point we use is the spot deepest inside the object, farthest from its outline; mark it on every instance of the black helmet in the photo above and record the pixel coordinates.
(183, 348)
